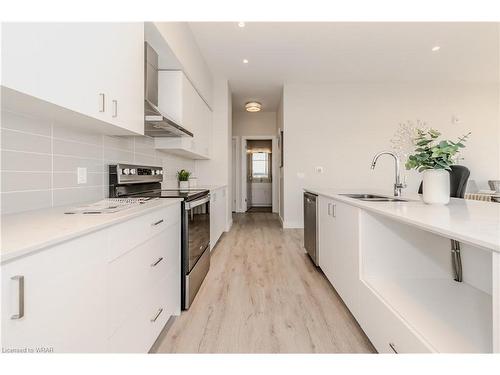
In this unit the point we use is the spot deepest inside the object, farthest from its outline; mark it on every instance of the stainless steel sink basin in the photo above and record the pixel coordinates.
(374, 198)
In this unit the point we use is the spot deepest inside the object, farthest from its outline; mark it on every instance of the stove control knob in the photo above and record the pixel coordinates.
(158, 171)
(132, 171)
(126, 171)
(161, 171)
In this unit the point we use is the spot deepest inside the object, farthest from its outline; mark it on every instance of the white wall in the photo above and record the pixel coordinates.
(260, 123)
(250, 125)
(181, 41)
(341, 126)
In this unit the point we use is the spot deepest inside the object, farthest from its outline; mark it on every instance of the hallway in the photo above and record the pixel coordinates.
(263, 295)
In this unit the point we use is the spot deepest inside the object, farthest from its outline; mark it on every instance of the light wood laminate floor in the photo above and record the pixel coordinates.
(263, 295)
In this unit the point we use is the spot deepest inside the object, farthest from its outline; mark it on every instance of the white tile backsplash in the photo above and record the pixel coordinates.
(25, 201)
(62, 197)
(72, 148)
(40, 159)
(20, 181)
(27, 124)
(24, 161)
(22, 141)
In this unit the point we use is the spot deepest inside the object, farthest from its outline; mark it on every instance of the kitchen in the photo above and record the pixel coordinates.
(133, 159)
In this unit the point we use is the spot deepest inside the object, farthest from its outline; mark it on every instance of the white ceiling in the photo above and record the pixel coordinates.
(299, 52)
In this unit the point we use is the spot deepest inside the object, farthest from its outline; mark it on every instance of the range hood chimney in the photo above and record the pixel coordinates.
(156, 124)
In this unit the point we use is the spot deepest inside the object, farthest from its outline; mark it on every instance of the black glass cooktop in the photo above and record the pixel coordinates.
(186, 194)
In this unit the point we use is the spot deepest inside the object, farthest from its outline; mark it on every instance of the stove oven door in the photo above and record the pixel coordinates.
(197, 259)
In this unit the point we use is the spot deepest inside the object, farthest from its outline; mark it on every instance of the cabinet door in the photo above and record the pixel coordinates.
(190, 110)
(214, 217)
(79, 66)
(64, 298)
(326, 238)
(62, 63)
(345, 253)
(126, 79)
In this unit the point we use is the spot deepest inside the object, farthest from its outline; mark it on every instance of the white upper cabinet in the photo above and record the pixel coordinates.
(92, 69)
(179, 100)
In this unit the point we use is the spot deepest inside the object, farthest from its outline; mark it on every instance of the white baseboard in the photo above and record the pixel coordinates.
(229, 225)
(292, 225)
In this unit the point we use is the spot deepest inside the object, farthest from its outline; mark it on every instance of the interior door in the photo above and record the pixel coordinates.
(249, 179)
(233, 187)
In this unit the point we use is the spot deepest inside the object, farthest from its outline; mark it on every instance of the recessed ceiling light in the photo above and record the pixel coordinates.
(253, 107)
(436, 48)
(245, 61)
(241, 24)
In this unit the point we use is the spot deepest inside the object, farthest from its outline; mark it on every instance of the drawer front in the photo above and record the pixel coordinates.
(385, 329)
(144, 324)
(134, 274)
(124, 237)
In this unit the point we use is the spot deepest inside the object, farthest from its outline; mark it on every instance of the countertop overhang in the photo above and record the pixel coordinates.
(472, 222)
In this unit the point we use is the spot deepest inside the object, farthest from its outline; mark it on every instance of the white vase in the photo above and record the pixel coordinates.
(436, 186)
(184, 185)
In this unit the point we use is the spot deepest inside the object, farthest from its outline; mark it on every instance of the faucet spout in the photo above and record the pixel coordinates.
(398, 185)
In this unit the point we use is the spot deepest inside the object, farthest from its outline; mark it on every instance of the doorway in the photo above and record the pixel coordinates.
(258, 166)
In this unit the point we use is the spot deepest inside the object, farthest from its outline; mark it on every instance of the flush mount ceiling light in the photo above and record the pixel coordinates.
(253, 107)
(435, 48)
(245, 61)
(241, 24)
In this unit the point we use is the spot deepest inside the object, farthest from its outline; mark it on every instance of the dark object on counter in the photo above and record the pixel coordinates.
(459, 175)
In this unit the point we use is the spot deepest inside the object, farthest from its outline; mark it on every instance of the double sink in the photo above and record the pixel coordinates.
(374, 198)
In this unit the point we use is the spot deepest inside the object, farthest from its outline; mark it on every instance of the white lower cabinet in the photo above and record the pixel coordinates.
(87, 296)
(64, 298)
(217, 215)
(339, 250)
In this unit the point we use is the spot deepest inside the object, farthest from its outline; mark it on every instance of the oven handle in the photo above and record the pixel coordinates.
(198, 202)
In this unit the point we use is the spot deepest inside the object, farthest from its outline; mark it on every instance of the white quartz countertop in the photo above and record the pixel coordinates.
(31, 231)
(210, 187)
(473, 222)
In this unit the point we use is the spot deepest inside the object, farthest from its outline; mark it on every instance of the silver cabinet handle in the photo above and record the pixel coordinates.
(154, 264)
(20, 296)
(334, 213)
(393, 347)
(157, 315)
(329, 209)
(115, 108)
(157, 223)
(101, 102)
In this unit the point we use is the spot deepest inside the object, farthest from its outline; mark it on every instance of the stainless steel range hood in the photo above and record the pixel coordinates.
(156, 124)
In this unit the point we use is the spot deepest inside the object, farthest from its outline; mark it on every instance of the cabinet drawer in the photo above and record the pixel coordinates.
(126, 236)
(135, 273)
(144, 324)
(385, 329)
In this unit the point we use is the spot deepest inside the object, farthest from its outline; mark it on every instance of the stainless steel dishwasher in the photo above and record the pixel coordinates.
(311, 226)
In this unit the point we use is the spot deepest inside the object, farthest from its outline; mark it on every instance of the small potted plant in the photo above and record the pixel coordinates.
(434, 158)
(183, 178)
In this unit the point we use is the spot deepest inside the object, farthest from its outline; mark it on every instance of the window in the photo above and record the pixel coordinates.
(260, 165)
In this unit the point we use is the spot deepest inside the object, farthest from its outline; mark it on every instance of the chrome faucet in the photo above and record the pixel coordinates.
(398, 185)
